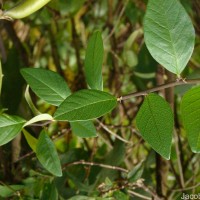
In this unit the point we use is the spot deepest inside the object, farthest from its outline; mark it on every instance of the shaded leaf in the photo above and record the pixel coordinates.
(8, 191)
(47, 154)
(115, 157)
(49, 192)
(32, 141)
(155, 122)
(94, 61)
(85, 105)
(12, 86)
(71, 7)
(190, 110)
(10, 127)
(83, 129)
(46, 84)
(169, 34)
(136, 172)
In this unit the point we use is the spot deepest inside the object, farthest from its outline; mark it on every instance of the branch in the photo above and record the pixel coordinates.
(112, 133)
(160, 87)
(138, 195)
(82, 162)
(117, 21)
(188, 188)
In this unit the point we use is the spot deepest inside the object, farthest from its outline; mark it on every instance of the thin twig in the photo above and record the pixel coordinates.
(16, 192)
(115, 135)
(180, 168)
(117, 22)
(82, 162)
(24, 156)
(139, 195)
(188, 188)
(160, 87)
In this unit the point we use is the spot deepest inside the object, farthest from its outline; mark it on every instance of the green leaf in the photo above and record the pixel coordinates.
(83, 129)
(49, 192)
(118, 195)
(169, 34)
(32, 141)
(136, 172)
(38, 118)
(30, 102)
(71, 7)
(47, 154)
(78, 197)
(8, 191)
(94, 61)
(48, 85)
(190, 111)
(85, 105)
(155, 122)
(10, 126)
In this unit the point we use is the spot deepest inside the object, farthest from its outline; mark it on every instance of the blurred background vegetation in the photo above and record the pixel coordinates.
(55, 38)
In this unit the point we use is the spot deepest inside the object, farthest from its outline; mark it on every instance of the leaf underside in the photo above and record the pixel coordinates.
(169, 34)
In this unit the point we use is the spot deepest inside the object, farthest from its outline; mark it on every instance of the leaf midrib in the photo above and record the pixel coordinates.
(155, 123)
(172, 44)
(86, 106)
(46, 143)
(19, 123)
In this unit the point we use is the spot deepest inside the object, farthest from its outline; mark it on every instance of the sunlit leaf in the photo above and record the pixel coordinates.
(94, 61)
(38, 118)
(46, 84)
(10, 127)
(85, 105)
(169, 34)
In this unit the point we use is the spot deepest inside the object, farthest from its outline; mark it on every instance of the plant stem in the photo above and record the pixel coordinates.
(82, 162)
(112, 133)
(139, 195)
(160, 87)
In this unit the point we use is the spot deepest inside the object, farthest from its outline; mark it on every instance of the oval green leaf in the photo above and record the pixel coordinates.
(94, 61)
(155, 122)
(84, 129)
(169, 34)
(190, 111)
(85, 105)
(47, 85)
(10, 127)
(47, 154)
